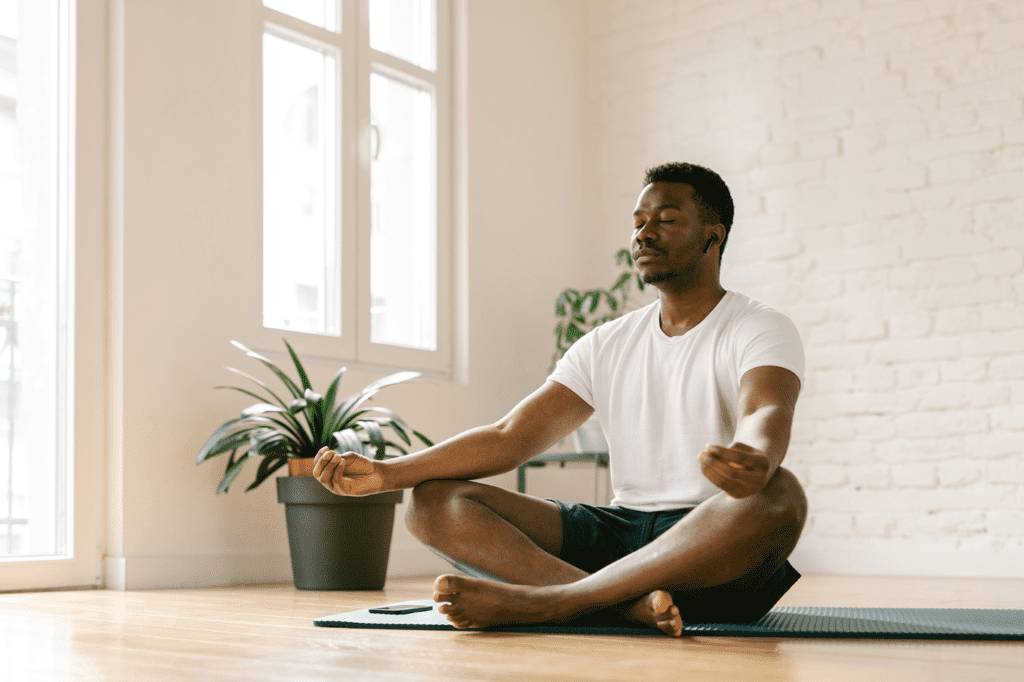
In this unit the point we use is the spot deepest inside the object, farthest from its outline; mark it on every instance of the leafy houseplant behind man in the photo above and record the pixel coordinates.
(322, 527)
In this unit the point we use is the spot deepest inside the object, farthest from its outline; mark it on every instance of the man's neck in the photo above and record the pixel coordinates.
(681, 311)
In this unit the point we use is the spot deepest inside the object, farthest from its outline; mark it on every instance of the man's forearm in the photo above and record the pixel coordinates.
(477, 453)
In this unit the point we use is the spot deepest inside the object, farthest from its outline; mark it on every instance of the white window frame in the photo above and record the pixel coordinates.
(357, 60)
(82, 209)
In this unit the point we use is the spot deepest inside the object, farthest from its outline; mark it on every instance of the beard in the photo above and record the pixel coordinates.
(658, 277)
(681, 275)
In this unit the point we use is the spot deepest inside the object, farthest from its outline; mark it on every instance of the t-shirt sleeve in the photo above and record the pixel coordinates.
(574, 370)
(771, 339)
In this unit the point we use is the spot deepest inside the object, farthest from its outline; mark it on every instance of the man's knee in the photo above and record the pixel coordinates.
(785, 500)
(430, 503)
(425, 500)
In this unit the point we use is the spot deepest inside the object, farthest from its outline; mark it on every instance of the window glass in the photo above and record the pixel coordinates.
(405, 29)
(301, 250)
(33, 298)
(403, 212)
(323, 13)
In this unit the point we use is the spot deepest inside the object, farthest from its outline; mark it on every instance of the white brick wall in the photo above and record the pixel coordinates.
(875, 149)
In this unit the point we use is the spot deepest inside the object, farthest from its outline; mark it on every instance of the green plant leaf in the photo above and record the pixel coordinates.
(229, 442)
(267, 467)
(560, 303)
(286, 414)
(315, 414)
(573, 333)
(258, 383)
(389, 420)
(394, 446)
(621, 281)
(376, 436)
(261, 408)
(298, 366)
(232, 472)
(241, 390)
(426, 441)
(348, 441)
(391, 380)
(213, 443)
(274, 447)
(624, 257)
(277, 433)
(342, 416)
(332, 391)
(595, 299)
(285, 379)
(287, 427)
(393, 421)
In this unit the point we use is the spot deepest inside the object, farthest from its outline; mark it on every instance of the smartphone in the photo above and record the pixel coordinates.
(400, 609)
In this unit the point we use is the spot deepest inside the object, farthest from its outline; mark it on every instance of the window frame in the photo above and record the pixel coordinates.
(82, 60)
(357, 60)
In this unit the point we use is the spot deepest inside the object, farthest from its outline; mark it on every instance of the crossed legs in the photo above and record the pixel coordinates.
(516, 539)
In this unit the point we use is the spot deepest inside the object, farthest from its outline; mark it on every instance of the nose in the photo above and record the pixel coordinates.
(645, 233)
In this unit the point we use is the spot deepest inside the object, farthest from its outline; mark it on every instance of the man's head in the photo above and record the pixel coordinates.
(710, 192)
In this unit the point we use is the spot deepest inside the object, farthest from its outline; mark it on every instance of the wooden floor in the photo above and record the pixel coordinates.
(257, 633)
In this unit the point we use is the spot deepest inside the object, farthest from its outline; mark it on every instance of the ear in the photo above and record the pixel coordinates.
(718, 232)
(715, 235)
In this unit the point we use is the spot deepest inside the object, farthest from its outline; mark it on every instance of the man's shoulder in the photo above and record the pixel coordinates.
(744, 309)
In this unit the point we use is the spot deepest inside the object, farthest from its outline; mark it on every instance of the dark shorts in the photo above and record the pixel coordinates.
(593, 537)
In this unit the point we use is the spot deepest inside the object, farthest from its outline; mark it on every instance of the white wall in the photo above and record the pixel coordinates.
(875, 149)
(185, 220)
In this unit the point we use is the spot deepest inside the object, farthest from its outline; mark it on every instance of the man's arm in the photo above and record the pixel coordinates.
(535, 424)
(767, 400)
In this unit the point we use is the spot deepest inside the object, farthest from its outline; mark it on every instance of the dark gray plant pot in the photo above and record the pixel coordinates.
(336, 542)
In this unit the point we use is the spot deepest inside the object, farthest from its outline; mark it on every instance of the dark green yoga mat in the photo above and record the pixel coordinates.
(785, 621)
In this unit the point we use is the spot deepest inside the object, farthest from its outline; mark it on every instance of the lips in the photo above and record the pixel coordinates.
(645, 253)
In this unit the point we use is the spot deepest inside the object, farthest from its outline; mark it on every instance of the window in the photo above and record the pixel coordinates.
(35, 520)
(356, 148)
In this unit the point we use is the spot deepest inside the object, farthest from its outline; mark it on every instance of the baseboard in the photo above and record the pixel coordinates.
(151, 572)
(948, 558)
(978, 558)
(211, 570)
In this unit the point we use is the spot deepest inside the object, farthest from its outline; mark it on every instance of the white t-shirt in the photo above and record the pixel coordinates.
(662, 399)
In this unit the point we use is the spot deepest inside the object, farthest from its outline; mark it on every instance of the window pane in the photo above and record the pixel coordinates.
(403, 246)
(405, 29)
(301, 250)
(33, 352)
(318, 12)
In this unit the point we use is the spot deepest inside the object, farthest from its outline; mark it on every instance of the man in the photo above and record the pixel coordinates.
(695, 393)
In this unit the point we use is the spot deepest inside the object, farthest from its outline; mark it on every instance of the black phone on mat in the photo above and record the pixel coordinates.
(400, 609)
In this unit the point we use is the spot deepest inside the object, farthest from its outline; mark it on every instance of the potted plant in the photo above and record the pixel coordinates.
(579, 312)
(336, 542)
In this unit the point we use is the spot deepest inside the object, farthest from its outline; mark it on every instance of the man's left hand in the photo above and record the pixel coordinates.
(739, 470)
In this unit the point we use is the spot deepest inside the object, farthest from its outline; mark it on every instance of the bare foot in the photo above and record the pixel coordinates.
(477, 603)
(657, 610)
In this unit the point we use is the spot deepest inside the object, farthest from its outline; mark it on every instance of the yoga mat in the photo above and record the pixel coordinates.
(785, 621)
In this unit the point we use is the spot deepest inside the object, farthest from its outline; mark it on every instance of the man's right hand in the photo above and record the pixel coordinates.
(348, 473)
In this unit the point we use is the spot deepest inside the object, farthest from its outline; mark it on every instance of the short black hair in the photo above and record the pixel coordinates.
(710, 192)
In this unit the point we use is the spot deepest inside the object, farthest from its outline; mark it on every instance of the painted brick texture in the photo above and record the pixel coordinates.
(875, 149)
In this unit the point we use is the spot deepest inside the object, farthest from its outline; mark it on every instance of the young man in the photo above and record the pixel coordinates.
(695, 393)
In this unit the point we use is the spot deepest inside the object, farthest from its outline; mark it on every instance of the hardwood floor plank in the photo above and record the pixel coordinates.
(265, 633)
